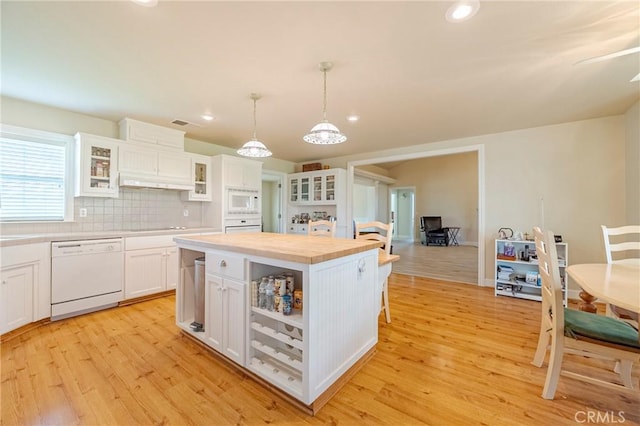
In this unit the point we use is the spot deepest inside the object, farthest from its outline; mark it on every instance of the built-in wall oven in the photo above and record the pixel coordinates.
(86, 275)
(234, 226)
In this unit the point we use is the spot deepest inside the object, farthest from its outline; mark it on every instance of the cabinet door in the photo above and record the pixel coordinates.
(305, 184)
(96, 166)
(294, 190)
(172, 267)
(16, 297)
(329, 188)
(138, 160)
(234, 320)
(201, 177)
(145, 272)
(213, 312)
(174, 165)
(252, 175)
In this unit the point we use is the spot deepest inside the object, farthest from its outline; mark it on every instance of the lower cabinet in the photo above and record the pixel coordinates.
(225, 316)
(150, 271)
(25, 285)
(16, 297)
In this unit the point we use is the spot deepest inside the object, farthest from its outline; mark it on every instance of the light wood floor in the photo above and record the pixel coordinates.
(452, 263)
(454, 354)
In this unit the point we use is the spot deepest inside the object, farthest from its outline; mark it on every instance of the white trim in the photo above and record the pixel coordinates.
(281, 178)
(374, 176)
(479, 149)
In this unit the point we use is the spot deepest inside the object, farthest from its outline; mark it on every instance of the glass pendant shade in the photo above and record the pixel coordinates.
(254, 148)
(324, 133)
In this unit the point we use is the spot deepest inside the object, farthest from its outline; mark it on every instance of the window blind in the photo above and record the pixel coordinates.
(32, 180)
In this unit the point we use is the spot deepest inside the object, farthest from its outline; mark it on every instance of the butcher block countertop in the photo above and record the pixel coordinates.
(294, 248)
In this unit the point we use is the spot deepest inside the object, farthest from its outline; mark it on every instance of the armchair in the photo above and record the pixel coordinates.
(433, 231)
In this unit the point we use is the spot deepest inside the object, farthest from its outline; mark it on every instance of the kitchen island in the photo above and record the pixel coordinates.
(308, 354)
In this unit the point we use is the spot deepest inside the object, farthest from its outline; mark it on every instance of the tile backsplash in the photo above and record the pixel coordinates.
(135, 209)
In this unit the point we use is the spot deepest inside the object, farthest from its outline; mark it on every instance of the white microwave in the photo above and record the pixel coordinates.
(243, 201)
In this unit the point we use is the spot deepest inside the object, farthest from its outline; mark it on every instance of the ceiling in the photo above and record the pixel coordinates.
(411, 76)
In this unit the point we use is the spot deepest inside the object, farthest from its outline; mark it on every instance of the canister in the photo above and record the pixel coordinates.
(297, 299)
(286, 304)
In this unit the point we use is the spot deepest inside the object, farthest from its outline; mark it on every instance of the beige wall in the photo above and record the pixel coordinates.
(632, 166)
(446, 186)
(41, 117)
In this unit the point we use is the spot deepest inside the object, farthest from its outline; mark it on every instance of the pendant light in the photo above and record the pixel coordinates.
(254, 148)
(325, 133)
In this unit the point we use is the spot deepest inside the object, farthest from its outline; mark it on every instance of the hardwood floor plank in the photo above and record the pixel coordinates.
(453, 354)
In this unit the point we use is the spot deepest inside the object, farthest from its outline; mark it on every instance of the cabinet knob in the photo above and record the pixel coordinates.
(4, 282)
(223, 263)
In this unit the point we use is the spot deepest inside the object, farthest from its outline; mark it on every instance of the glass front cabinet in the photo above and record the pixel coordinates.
(315, 187)
(96, 166)
(201, 173)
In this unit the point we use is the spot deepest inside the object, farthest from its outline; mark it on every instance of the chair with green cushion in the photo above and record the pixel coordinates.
(578, 332)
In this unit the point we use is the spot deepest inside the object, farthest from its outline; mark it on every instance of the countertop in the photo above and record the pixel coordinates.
(15, 240)
(294, 248)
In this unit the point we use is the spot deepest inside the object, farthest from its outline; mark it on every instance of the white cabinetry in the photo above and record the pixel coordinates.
(318, 191)
(136, 160)
(298, 228)
(201, 178)
(25, 285)
(96, 166)
(16, 297)
(235, 173)
(517, 269)
(240, 172)
(138, 131)
(151, 265)
(304, 353)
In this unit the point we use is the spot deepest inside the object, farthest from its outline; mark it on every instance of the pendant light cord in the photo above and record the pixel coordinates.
(254, 119)
(324, 106)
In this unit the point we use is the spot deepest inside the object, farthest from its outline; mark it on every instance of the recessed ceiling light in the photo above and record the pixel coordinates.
(462, 10)
(207, 117)
(353, 118)
(146, 3)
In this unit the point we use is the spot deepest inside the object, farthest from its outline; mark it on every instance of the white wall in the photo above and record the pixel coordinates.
(632, 164)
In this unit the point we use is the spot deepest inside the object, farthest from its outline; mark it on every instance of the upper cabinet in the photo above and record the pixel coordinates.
(137, 131)
(241, 173)
(319, 187)
(96, 166)
(201, 176)
(139, 160)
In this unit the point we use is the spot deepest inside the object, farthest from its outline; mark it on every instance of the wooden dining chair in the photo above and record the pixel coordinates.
(624, 247)
(577, 332)
(324, 228)
(381, 232)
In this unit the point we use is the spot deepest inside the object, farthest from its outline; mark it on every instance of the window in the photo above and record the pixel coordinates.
(35, 175)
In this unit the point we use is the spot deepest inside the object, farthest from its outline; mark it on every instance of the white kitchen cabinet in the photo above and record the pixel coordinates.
(25, 285)
(317, 188)
(298, 228)
(201, 178)
(240, 172)
(16, 297)
(318, 191)
(136, 160)
(225, 322)
(96, 166)
(138, 131)
(150, 265)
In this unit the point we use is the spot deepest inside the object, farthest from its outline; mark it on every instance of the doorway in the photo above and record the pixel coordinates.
(403, 208)
(479, 222)
(273, 184)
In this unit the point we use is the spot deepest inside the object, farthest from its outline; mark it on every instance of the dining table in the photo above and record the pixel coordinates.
(615, 283)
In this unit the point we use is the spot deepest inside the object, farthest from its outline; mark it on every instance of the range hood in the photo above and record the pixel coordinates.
(132, 181)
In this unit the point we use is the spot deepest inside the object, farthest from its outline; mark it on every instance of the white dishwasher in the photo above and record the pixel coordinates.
(86, 276)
